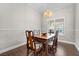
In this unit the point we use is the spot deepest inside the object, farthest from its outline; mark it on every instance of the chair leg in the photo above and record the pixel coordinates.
(27, 52)
(53, 53)
(34, 53)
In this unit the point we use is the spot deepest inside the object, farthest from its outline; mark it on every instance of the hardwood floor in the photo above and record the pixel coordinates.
(63, 49)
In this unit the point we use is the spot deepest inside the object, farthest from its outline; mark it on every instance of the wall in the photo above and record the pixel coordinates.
(32, 18)
(14, 20)
(68, 14)
(77, 26)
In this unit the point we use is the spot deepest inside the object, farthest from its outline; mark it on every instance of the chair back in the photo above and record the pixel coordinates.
(30, 39)
(51, 31)
(55, 41)
(36, 32)
(56, 34)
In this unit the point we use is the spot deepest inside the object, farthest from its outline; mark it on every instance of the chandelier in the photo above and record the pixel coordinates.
(48, 13)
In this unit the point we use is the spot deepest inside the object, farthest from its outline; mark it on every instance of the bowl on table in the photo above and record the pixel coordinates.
(44, 34)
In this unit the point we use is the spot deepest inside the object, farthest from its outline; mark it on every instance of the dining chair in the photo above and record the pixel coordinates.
(31, 45)
(52, 44)
(36, 32)
(51, 31)
(55, 42)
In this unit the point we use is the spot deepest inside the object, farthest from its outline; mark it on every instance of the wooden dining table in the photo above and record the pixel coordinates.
(44, 40)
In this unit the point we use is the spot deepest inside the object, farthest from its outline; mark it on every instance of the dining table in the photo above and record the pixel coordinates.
(43, 38)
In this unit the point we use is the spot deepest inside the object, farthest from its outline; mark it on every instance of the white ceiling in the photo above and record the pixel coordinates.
(43, 6)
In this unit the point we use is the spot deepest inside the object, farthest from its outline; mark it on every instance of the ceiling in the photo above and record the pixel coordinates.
(43, 6)
(53, 6)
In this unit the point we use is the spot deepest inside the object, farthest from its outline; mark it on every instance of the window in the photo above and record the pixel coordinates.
(58, 24)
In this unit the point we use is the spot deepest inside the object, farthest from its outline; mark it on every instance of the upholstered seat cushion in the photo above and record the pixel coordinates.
(38, 45)
(50, 43)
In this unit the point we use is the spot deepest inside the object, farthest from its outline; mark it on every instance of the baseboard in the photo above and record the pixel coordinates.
(66, 42)
(10, 48)
(77, 47)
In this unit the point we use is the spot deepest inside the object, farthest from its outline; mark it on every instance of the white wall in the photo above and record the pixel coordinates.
(32, 18)
(77, 26)
(68, 14)
(14, 20)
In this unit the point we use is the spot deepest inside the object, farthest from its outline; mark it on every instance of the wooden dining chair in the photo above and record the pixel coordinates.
(52, 44)
(31, 45)
(51, 31)
(36, 32)
(55, 42)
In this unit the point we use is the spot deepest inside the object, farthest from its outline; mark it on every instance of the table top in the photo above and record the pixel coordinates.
(47, 36)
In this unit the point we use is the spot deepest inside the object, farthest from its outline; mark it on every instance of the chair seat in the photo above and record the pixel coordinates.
(38, 45)
(50, 43)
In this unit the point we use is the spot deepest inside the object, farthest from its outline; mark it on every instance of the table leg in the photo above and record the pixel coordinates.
(45, 45)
